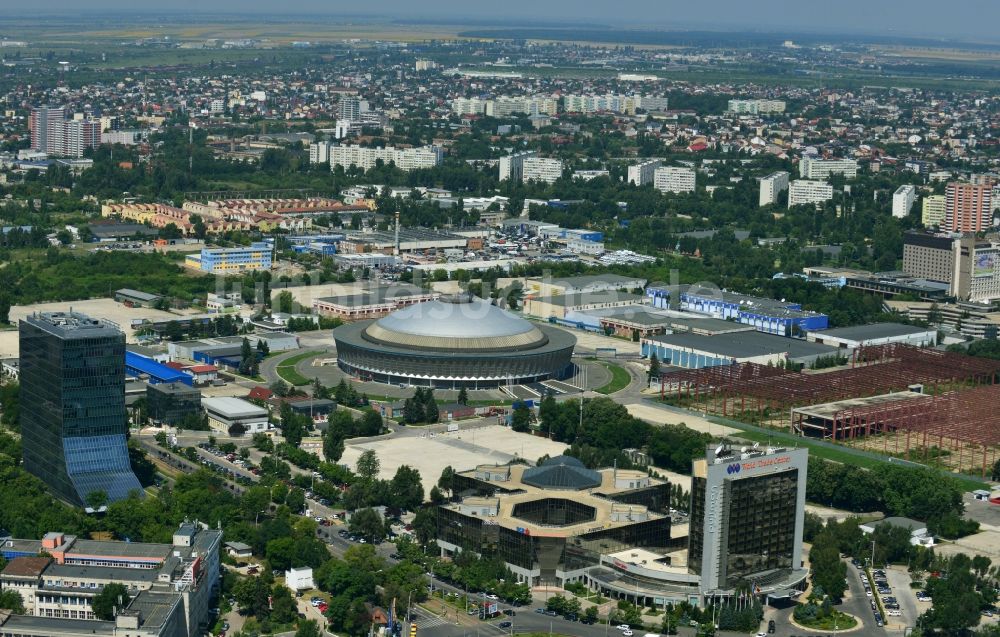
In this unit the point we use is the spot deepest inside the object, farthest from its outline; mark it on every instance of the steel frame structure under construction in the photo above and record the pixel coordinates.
(966, 423)
(874, 370)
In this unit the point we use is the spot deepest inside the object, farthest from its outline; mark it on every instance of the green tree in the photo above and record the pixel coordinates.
(11, 600)
(251, 595)
(367, 523)
(447, 480)
(113, 598)
(520, 419)
(828, 571)
(368, 465)
(654, 366)
(406, 490)
(463, 397)
(307, 628)
(333, 439)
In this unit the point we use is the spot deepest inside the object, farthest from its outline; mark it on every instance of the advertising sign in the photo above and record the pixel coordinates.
(984, 264)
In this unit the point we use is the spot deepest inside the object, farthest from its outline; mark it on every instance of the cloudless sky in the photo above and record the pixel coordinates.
(959, 19)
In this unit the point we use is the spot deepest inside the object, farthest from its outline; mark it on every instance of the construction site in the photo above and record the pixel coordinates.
(922, 404)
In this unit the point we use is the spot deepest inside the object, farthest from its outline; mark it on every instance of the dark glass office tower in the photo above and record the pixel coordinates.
(73, 406)
(747, 512)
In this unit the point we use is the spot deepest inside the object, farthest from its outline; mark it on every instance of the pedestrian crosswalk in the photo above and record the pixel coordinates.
(424, 619)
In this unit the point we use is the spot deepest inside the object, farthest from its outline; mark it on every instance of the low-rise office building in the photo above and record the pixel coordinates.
(557, 307)
(235, 416)
(257, 256)
(171, 403)
(371, 304)
(171, 585)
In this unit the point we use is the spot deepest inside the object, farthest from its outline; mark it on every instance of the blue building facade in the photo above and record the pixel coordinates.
(769, 316)
(139, 365)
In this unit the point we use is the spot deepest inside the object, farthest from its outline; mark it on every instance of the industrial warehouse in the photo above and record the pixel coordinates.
(453, 342)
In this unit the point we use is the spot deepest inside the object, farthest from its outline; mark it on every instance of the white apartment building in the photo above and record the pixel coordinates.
(541, 169)
(468, 106)
(771, 186)
(902, 200)
(674, 179)
(512, 166)
(803, 191)
(425, 65)
(816, 168)
(596, 103)
(651, 103)
(535, 105)
(405, 158)
(933, 210)
(756, 107)
(642, 173)
(319, 153)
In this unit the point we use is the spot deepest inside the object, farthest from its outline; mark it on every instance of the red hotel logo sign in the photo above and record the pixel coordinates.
(764, 462)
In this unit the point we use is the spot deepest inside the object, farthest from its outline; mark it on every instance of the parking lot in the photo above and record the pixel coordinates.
(899, 581)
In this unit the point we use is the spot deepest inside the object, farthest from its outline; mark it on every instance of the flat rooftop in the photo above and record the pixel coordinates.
(376, 296)
(746, 344)
(827, 411)
(604, 508)
(873, 331)
(73, 325)
(233, 407)
(653, 560)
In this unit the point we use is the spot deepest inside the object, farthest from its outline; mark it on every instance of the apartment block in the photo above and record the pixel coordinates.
(674, 179)
(512, 166)
(756, 107)
(816, 168)
(902, 201)
(804, 191)
(404, 158)
(771, 186)
(933, 210)
(643, 173)
(542, 169)
(968, 207)
(319, 153)
(53, 133)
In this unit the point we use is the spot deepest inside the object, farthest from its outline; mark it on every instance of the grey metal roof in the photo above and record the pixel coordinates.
(444, 323)
(561, 472)
(875, 330)
(375, 296)
(744, 344)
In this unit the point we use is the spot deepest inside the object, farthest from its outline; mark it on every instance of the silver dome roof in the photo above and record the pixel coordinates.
(455, 323)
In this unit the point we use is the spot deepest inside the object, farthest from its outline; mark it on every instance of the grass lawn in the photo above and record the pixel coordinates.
(843, 622)
(620, 379)
(286, 369)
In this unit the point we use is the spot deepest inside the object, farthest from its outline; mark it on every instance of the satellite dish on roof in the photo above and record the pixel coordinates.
(718, 450)
(756, 444)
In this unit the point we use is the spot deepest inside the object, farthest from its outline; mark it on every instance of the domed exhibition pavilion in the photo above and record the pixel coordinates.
(453, 342)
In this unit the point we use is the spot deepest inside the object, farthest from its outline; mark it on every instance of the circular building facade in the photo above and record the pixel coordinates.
(451, 343)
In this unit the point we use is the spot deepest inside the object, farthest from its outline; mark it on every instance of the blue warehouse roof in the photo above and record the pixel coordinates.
(136, 364)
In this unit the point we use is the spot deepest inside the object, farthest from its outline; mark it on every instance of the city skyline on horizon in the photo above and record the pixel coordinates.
(966, 20)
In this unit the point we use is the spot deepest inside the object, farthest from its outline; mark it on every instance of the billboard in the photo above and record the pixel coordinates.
(984, 264)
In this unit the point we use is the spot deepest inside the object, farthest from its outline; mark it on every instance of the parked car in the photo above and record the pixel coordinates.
(504, 625)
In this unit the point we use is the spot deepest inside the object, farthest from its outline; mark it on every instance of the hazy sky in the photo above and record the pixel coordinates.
(964, 19)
